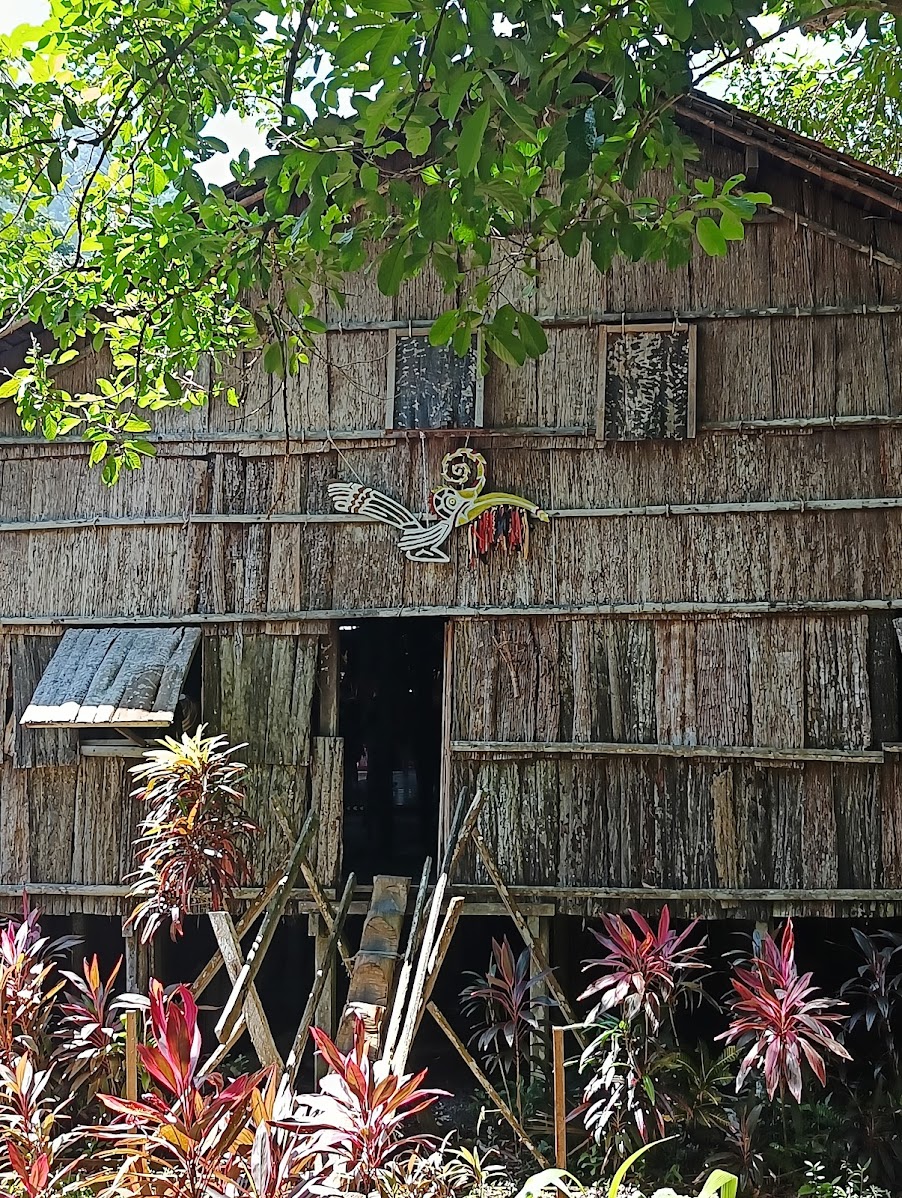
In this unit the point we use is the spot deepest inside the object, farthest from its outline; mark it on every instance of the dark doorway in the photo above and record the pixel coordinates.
(390, 716)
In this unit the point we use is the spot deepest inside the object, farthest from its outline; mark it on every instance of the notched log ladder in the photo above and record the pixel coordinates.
(391, 1006)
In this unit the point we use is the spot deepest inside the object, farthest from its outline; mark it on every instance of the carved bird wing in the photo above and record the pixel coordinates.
(419, 541)
(422, 544)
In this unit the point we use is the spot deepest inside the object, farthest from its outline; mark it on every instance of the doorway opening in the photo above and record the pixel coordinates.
(390, 715)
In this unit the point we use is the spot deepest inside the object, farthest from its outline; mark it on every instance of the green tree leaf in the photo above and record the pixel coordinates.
(709, 236)
(434, 217)
(391, 269)
(472, 134)
(444, 327)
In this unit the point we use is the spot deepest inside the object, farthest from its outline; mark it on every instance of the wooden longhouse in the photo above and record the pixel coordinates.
(690, 689)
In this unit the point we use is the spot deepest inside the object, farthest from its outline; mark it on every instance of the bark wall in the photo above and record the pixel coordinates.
(233, 522)
(70, 819)
(563, 817)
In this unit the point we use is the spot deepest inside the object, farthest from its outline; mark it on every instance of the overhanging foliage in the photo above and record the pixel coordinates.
(403, 133)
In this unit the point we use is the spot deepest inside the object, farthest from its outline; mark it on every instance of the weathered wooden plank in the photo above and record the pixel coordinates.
(325, 970)
(776, 681)
(51, 808)
(172, 676)
(722, 691)
(883, 678)
(15, 832)
(232, 1010)
(376, 959)
(327, 783)
(32, 747)
(254, 1015)
(109, 676)
(102, 809)
(858, 832)
(675, 676)
(259, 689)
(837, 689)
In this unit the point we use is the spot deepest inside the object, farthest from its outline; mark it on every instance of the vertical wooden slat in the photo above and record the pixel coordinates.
(444, 799)
(560, 1098)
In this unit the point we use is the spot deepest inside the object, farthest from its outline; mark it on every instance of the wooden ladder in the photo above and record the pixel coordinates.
(375, 962)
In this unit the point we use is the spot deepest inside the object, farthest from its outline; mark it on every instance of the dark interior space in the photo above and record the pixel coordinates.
(390, 717)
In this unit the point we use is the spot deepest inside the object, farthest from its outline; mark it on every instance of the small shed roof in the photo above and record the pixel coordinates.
(113, 676)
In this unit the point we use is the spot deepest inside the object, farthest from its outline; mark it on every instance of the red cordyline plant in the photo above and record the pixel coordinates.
(90, 1036)
(876, 993)
(187, 1138)
(28, 985)
(355, 1124)
(194, 835)
(505, 1000)
(38, 1153)
(778, 1021)
(645, 969)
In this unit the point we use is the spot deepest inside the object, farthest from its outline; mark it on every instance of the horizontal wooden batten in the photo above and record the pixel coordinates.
(482, 900)
(651, 611)
(298, 436)
(664, 316)
(109, 748)
(375, 438)
(884, 503)
(512, 748)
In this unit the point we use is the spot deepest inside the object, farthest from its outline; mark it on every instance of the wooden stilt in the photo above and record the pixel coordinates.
(523, 928)
(131, 1056)
(137, 962)
(247, 920)
(399, 1000)
(313, 885)
(412, 1014)
(438, 954)
(223, 1049)
(462, 828)
(540, 930)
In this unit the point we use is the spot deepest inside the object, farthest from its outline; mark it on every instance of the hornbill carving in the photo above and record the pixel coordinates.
(462, 501)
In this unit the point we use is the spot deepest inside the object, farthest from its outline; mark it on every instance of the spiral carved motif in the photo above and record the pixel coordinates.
(464, 469)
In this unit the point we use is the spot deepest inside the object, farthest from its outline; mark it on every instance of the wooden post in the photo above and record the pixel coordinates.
(137, 962)
(329, 680)
(399, 999)
(324, 976)
(131, 1056)
(438, 954)
(213, 966)
(491, 865)
(398, 1061)
(445, 813)
(326, 1014)
(313, 884)
(560, 1098)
